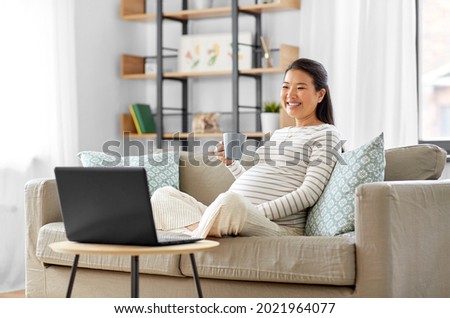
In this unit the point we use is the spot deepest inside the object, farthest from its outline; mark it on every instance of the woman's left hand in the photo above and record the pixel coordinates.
(220, 153)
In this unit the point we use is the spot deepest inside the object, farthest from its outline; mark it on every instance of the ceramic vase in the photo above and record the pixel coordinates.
(270, 122)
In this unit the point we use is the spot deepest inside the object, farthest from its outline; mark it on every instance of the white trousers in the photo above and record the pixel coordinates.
(229, 214)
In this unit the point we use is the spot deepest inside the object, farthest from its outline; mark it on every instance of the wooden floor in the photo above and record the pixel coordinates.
(14, 294)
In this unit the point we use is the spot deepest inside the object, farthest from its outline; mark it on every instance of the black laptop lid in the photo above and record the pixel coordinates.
(106, 205)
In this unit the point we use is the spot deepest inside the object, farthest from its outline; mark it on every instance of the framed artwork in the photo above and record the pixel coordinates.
(213, 52)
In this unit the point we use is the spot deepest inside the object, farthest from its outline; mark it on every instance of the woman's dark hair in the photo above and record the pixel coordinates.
(324, 110)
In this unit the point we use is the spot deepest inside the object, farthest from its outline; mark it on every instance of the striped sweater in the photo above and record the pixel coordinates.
(290, 173)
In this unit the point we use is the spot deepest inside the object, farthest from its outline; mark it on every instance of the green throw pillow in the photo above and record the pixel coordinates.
(162, 168)
(334, 212)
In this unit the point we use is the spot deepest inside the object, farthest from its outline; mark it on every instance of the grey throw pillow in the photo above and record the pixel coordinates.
(334, 212)
(162, 168)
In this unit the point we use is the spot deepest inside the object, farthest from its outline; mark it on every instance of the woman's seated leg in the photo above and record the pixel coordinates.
(175, 210)
(232, 214)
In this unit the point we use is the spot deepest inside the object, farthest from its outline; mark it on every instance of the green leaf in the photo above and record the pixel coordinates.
(272, 107)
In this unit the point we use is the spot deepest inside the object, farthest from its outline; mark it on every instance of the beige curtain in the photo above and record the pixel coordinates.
(37, 112)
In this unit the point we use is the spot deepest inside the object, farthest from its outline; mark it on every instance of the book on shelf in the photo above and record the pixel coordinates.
(143, 118)
(135, 121)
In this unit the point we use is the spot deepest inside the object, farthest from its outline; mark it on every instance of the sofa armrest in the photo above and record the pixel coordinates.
(403, 239)
(41, 207)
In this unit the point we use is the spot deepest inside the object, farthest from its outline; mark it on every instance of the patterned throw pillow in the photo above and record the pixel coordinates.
(334, 212)
(162, 168)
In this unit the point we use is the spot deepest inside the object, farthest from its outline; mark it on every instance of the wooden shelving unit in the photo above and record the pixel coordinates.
(183, 136)
(134, 10)
(254, 71)
(127, 126)
(226, 11)
(133, 67)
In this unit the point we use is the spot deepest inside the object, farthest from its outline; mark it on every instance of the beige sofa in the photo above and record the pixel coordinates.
(400, 248)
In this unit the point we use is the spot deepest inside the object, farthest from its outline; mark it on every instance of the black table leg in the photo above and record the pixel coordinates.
(134, 276)
(196, 279)
(72, 275)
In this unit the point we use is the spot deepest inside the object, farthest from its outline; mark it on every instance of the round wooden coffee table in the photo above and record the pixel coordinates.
(68, 247)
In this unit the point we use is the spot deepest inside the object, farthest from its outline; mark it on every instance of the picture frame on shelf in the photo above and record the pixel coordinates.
(213, 52)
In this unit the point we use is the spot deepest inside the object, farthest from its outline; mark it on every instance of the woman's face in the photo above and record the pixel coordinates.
(300, 98)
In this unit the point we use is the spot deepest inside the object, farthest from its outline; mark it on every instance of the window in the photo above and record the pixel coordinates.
(434, 72)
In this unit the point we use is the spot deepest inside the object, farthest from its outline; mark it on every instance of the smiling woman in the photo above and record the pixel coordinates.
(291, 170)
(305, 94)
(37, 102)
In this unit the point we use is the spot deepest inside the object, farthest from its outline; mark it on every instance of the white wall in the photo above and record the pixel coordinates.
(101, 38)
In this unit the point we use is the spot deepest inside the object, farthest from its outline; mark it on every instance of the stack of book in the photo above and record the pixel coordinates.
(143, 118)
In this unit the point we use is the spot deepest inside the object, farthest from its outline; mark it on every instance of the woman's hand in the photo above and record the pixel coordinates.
(219, 151)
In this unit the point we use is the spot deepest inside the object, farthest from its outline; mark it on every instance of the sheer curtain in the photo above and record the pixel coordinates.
(368, 48)
(38, 128)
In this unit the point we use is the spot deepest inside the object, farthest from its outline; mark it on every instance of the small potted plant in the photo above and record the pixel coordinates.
(270, 117)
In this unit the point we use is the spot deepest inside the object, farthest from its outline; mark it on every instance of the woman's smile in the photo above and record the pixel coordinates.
(292, 105)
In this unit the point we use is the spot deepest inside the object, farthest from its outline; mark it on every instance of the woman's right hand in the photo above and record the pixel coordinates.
(219, 151)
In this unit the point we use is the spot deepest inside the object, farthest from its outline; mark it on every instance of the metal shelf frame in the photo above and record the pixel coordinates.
(235, 74)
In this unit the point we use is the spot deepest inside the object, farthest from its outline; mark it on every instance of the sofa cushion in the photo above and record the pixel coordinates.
(286, 259)
(162, 167)
(334, 212)
(54, 232)
(416, 162)
(203, 177)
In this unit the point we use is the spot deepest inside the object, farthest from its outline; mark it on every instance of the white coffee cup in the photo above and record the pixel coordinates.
(232, 144)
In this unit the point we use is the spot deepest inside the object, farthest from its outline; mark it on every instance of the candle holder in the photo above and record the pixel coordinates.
(267, 58)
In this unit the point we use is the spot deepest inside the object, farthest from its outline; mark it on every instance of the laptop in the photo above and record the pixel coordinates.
(110, 205)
